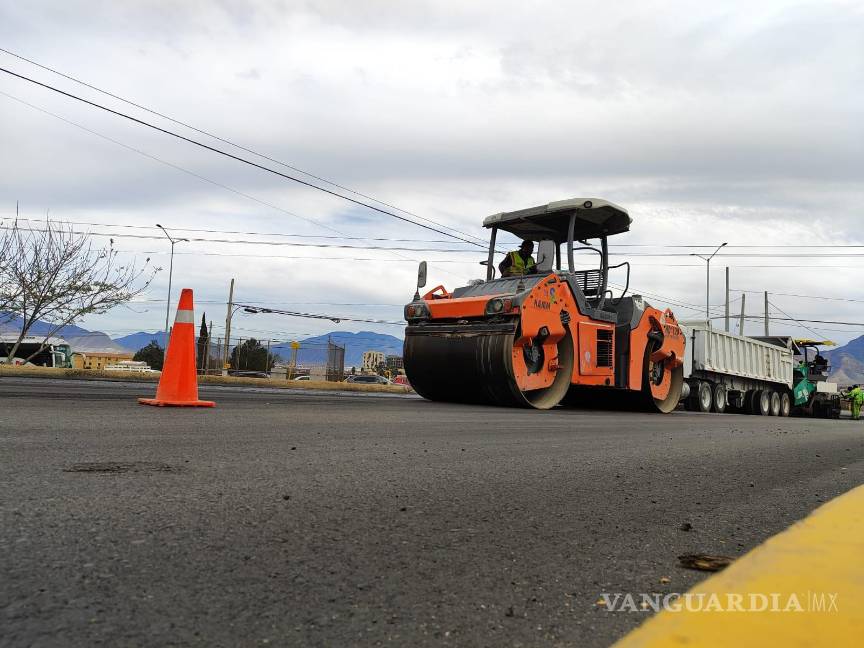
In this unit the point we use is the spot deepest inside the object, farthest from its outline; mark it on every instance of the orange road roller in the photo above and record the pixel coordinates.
(545, 333)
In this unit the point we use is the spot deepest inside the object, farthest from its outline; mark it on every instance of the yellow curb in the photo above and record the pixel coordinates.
(816, 564)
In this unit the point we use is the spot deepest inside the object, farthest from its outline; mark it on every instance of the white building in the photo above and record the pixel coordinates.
(372, 360)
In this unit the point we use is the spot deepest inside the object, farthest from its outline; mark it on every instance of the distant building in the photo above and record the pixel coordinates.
(372, 360)
(95, 350)
(98, 359)
(135, 366)
(394, 363)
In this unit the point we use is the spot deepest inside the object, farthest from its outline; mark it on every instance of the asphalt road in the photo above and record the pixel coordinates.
(320, 519)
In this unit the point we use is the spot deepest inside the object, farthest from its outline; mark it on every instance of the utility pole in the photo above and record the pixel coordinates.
(766, 314)
(228, 327)
(727, 299)
(267, 358)
(707, 260)
(741, 321)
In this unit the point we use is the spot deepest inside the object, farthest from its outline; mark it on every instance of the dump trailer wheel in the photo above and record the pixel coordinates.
(762, 402)
(661, 386)
(785, 404)
(719, 404)
(475, 365)
(775, 404)
(754, 401)
(751, 401)
(705, 396)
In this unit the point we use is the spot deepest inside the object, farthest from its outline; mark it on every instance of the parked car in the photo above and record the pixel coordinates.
(238, 373)
(368, 379)
(303, 378)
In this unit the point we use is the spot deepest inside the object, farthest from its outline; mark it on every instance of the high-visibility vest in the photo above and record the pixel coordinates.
(518, 265)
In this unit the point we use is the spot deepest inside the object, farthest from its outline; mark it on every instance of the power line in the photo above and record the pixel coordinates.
(174, 228)
(310, 184)
(238, 158)
(760, 318)
(389, 239)
(358, 247)
(840, 299)
(307, 258)
(794, 318)
(184, 170)
(225, 141)
(218, 302)
(168, 164)
(249, 242)
(249, 308)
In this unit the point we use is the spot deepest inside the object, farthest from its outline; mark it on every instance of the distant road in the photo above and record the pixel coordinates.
(320, 519)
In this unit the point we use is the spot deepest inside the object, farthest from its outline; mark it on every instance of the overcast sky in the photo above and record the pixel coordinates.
(735, 121)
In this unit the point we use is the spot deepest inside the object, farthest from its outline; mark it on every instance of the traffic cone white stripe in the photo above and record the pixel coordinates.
(184, 317)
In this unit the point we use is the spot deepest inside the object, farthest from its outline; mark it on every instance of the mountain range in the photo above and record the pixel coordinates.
(847, 362)
(141, 339)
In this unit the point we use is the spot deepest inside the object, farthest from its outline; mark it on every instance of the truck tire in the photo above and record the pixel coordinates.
(750, 402)
(704, 396)
(785, 404)
(775, 404)
(762, 402)
(719, 400)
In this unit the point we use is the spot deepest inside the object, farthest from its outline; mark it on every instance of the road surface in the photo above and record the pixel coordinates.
(322, 519)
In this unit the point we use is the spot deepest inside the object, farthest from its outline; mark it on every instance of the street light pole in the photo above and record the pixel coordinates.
(708, 278)
(228, 321)
(170, 277)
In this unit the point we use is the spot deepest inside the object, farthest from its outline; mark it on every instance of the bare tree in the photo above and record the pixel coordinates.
(8, 288)
(53, 273)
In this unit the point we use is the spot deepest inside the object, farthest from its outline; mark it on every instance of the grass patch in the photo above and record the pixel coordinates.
(123, 376)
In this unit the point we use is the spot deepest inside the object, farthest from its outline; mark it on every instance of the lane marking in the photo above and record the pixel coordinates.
(819, 561)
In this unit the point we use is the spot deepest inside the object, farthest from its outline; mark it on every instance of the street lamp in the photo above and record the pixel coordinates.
(708, 278)
(228, 320)
(170, 276)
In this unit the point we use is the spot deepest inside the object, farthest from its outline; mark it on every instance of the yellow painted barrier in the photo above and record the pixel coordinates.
(803, 587)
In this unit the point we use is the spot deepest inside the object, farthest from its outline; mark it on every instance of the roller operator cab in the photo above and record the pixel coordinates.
(554, 336)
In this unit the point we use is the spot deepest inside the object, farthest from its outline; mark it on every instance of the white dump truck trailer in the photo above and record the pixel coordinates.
(754, 375)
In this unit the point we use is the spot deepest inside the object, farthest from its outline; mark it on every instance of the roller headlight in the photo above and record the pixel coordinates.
(417, 310)
(498, 306)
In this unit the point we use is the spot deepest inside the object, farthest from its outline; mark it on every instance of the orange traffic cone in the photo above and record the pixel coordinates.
(178, 386)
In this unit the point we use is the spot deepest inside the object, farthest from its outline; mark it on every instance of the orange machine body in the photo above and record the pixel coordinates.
(596, 359)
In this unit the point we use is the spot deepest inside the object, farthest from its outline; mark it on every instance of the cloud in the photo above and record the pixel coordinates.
(711, 122)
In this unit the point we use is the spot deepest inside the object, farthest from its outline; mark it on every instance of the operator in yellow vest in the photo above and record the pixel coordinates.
(519, 262)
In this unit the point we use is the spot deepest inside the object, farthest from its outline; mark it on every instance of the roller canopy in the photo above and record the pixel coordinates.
(595, 217)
